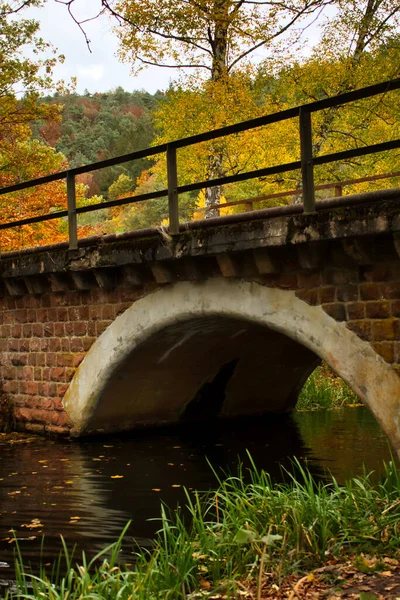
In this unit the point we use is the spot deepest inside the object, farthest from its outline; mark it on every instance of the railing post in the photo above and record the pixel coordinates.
(173, 207)
(72, 221)
(338, 190)
(306, 157)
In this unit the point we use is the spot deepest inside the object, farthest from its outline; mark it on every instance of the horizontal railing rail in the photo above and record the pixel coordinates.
(305, 164)
(337, 186)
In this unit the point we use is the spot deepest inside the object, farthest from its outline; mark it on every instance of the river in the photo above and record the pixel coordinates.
(87, 491)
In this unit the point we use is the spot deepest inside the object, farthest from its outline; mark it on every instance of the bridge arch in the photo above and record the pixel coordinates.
(240, 333)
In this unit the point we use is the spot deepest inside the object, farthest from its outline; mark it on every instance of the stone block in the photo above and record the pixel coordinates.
(83, 280)
(327, 294)
(309, 256)
(355, 310)
(59, 282)
(309, 280)
(309, 296)
(383, 329)
(386, 350)
(359, 250)
(371, 291)
(131, 275)
(106, 278)
(391, 290)
(36, 285)
(264, 261)
(361, 328)
(227, 265)
(336, 310)
(347, 293)
(162, 273)
(377, 310)
(15, 287)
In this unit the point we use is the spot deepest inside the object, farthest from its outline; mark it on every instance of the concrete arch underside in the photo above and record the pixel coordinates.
(220, 348)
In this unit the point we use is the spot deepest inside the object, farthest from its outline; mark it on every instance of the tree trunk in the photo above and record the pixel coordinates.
(213, 194)
(218, 39)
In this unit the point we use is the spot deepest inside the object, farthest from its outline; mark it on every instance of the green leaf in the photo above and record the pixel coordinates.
(270, 539)
(245, 536)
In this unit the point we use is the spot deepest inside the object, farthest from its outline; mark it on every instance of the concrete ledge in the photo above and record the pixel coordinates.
(234, 249)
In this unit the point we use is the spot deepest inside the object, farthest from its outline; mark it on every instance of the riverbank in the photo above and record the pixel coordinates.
(325, 390)
(251, 538)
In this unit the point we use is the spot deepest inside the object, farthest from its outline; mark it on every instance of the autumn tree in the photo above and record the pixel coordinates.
(211, 37)
(359, 46)
(215, 105)
(22, 81)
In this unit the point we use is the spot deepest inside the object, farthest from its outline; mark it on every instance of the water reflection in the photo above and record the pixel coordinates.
(344, 441)
(87, 491)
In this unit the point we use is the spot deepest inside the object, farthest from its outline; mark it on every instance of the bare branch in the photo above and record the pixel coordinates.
(350, 135)
(155, 64)
(186, 40)
(69, 3)
(275, 35)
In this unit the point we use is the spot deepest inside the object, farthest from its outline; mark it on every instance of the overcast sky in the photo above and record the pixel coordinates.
(100, 70)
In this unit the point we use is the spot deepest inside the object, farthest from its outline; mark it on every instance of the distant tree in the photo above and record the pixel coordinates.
(99, 126)
(121, 187)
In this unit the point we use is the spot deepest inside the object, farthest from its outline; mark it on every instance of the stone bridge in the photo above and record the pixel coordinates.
(227, 318)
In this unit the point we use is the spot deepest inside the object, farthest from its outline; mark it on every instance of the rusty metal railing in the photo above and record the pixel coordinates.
(306, 164)
(337, 186)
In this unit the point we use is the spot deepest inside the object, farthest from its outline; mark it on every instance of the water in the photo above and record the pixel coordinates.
(87, 491)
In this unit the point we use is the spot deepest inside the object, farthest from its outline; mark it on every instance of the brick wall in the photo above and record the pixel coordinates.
(44, 338)
(367, 298)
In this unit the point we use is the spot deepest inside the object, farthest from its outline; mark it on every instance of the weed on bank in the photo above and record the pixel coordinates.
(325, 390)
(248, 530)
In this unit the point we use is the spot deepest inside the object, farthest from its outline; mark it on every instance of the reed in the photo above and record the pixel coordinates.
(247, 527)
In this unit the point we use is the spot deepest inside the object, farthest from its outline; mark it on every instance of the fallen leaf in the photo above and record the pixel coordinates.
(34, 524)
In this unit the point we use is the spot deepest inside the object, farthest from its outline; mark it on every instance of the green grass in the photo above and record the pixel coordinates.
(235, 535)
(323, 390)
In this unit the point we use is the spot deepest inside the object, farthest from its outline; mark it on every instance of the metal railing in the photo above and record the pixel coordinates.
(337, 186)
(305, 164)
